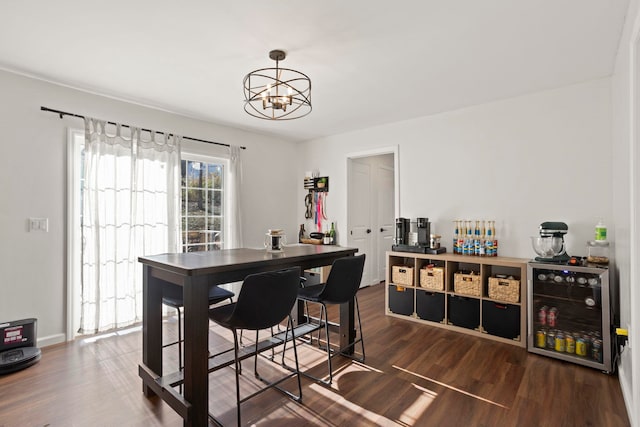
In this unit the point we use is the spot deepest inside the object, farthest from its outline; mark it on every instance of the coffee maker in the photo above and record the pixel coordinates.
(424, 231)
(423, 243)
(402, 231)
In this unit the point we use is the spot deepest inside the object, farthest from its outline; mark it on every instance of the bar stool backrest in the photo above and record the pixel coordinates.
(266, 299)
(344, 280)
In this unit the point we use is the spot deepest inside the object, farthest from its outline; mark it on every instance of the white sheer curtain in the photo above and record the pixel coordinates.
(130, 207)
(235, 182)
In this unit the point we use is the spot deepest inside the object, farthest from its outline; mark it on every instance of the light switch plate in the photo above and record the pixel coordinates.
(39, 224)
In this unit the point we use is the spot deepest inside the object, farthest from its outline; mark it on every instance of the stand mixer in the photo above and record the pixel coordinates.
(550, 244)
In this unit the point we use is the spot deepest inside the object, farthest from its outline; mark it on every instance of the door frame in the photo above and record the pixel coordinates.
(75, 144)
(634, 220)
(394, 150)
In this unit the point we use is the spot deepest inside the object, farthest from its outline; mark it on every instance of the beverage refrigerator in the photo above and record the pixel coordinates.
(570, 313)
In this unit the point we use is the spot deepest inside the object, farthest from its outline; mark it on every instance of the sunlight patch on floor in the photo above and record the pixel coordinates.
(352, 407)
(416, 409)
(466, 393)
(119, 332)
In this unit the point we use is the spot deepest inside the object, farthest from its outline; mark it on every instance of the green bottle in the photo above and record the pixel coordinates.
(332, 234)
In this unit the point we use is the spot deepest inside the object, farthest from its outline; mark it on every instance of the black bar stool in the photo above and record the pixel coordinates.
(341, 287)
(264, 301)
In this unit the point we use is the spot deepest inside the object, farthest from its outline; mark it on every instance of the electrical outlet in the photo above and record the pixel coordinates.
(39, 224)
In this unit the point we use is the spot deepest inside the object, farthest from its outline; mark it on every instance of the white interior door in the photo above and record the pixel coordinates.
(385, 227)
(359, 205)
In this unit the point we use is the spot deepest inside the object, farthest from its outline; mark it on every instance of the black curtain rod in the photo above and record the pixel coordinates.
(64, 113)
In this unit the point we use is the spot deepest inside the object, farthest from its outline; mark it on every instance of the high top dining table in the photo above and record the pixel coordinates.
(195, 272)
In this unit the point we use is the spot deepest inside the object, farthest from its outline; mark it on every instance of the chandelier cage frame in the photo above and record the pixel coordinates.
(292, 98)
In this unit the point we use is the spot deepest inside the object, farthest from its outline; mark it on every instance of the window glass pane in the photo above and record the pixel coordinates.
(193, 237)
(196, 223)
(183, 200)
(214, 201)
(202, 205)
(215, 223)
(196, 202)
(195, 174)
(215, 176)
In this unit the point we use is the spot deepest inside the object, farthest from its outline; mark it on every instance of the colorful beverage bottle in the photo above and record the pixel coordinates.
(489, 241)
(456, 236)
(494, 246)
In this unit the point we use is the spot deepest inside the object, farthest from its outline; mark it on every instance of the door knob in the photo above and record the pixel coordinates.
(368, 230)
(382, 230)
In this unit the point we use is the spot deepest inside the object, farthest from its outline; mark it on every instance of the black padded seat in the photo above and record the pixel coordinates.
(172, 297)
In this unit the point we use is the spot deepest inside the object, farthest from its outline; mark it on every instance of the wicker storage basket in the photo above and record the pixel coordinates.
(467, 284)
(432, 278)
(504, 289)
(402, 275)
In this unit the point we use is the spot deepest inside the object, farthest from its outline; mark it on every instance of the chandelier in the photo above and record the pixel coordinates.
(277, 93)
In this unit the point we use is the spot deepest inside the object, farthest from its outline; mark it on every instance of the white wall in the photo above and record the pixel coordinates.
(521, 161)
(625, 202)
(33, 182)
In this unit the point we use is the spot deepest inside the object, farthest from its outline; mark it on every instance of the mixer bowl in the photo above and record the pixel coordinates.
(548, 247)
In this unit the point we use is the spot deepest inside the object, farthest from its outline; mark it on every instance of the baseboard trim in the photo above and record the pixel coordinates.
(627, 394)
(51, 340)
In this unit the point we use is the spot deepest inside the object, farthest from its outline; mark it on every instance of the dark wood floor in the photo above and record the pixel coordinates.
(414, 375)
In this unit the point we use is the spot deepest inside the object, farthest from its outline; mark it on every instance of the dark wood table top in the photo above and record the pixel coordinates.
(201, 263)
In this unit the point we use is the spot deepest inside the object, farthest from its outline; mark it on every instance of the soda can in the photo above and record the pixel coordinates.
(588, 340)
(596, 350)
(541, 338)
(570, 346)
(542, 315)
(559, 343)
(581, 346)
(552, 317)
(551, 340)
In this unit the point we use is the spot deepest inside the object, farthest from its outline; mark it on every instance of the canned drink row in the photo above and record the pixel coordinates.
(583, 344)
(559, 278)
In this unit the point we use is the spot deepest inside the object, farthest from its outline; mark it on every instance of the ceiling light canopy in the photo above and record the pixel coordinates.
(277, 93)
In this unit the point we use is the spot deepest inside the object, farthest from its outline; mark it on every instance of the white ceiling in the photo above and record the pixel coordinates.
(370, 62)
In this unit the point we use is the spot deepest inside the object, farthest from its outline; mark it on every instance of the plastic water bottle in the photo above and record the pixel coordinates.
(601, 231)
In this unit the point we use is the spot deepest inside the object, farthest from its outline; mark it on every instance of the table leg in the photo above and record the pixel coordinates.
(196, 336)
(347, 326)
(151, 325)
(298, 314)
